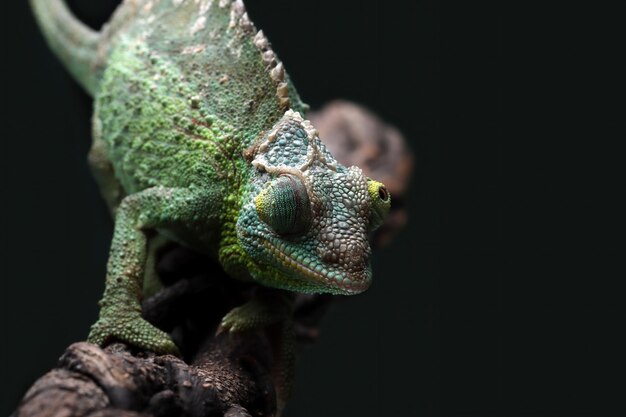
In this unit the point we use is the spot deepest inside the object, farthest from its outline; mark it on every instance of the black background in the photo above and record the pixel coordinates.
(502, 297)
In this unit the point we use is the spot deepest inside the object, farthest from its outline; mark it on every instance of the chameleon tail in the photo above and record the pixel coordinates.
(75, 44)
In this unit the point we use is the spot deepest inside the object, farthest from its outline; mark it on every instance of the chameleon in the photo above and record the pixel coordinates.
(199, 137)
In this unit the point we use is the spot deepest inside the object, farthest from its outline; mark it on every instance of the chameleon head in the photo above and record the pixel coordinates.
(306, 218)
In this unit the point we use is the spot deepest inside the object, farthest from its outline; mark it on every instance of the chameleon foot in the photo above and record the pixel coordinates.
(133, 329)
(252, 315)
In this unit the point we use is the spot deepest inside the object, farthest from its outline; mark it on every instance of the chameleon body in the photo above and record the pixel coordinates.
(198, 135)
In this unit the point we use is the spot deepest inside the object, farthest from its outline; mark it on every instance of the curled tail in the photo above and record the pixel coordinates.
(74, 43)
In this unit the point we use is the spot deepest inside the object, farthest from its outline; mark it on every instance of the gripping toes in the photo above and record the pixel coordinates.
(250, 316)
(134, 330)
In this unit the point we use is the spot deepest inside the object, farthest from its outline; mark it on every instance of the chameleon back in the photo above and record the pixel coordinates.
(187, 86)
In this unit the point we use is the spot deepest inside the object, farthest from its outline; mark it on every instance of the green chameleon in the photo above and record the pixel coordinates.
(198, 135)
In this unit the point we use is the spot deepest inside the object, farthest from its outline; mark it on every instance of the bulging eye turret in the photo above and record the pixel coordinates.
(284, 205)
(380, 203)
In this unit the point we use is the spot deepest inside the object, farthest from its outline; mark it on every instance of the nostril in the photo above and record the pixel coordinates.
(356, 256)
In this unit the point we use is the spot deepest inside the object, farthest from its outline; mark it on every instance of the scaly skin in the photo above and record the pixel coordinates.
(198, 135)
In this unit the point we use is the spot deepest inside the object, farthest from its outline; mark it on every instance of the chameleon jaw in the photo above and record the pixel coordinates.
(331, 281)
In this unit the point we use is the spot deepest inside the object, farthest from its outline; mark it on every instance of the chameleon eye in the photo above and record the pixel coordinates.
(383, 194)
(284, 205)
(381, 203)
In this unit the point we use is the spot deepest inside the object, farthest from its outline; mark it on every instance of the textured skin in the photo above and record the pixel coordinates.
(198, 135)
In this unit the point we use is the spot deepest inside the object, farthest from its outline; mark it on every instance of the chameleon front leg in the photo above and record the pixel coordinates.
(120, 313)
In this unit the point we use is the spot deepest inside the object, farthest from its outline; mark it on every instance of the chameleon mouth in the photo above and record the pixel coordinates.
(332, 281)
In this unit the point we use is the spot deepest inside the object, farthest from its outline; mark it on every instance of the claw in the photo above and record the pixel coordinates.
(228, 324)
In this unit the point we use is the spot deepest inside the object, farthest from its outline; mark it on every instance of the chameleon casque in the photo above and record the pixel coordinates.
(198, 135)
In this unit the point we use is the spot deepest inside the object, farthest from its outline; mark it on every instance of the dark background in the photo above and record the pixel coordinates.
(503, 295)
